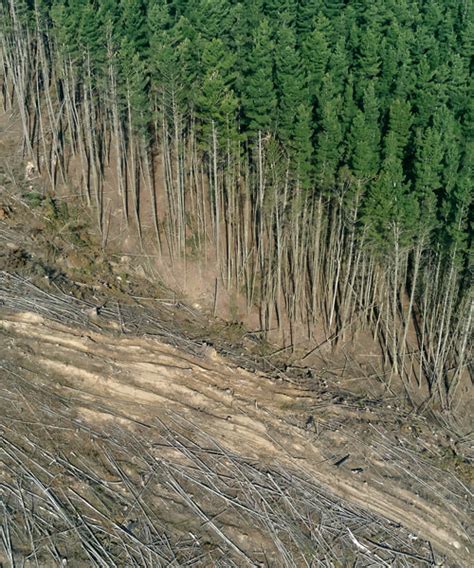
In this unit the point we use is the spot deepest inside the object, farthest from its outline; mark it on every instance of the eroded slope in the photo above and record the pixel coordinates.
(124, 450)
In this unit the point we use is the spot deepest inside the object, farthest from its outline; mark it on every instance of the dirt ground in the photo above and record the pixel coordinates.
(209, 463)
(137, 431)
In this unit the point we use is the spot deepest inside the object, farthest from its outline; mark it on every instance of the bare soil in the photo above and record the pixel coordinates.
(210, 463)
(136, 430)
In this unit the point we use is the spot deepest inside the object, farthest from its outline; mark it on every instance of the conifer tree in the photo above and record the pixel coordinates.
(425, 99)
(365, 136)
(258, 96)
(349, 106)
(390, 210)
(133, 25)
(282, 11)
(308, 11)
(339, 66)
(135, 87)
(216, 102)
(315, 55)
(302, 145)
(369, 62)
(91, 33)
(212, 18)
(457, 84)
(363, 159)
(289, 79)
(333, 8)
(66, 23)
(329, 138)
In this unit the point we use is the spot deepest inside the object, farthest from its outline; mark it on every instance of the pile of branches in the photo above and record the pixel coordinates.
(166, 494)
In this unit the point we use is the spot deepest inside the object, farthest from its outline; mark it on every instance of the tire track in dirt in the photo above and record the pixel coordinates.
(248, 414)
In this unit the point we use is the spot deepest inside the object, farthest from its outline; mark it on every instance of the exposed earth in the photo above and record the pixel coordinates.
(137, 431)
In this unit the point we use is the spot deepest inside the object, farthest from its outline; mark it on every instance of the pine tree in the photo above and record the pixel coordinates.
(65, 25)
(333, 8)
(457, 84)
(349, 106)
(364, 138)
(211, 18)
(315, 55)
(456, 173)
(369, 62)
(425, 99)
(372, 116)
(457, 207)
(339, 66)
(390, 210)
(400, 123)
(258, 96)
(392, 58)
(363, 160)
(308, 11)
(329, 137)
(282, 11)
(133, 25)
(135, 86)
(428, 166)
(216, 102)
(289, 81)
(91, 33)
(302, 145)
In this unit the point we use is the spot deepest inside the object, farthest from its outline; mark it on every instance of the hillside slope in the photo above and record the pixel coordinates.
(127, 439)
(120, 449)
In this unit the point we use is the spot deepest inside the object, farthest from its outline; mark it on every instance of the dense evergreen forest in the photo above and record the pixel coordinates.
(319, 150)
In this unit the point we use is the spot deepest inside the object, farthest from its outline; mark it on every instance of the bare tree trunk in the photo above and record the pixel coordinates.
(396, 235)
(416, 267)
(151, 190)
(117, 134)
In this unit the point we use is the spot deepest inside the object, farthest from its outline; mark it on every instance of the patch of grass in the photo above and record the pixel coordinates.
(54, 212)
(34, 199)
(450, 460)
